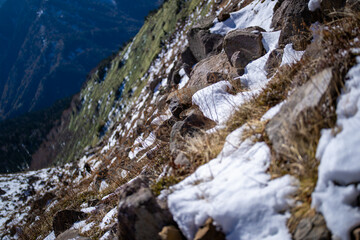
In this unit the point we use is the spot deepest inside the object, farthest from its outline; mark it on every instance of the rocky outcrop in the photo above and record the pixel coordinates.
(141, 216)
(293, 18)
(202, 43)
(210, 70)
(312, 228)
(298, 111)
(64, 219)
(243, 46)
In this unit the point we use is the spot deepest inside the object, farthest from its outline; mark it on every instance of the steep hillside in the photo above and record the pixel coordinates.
(107, 96)
(219, 120)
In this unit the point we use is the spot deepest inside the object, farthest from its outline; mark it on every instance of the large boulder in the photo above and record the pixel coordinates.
(243, 46)
(210, 70)
(202, 42)
(312, 228)
(141, 216)
(293, 18)
(301, 109)
(64, 219)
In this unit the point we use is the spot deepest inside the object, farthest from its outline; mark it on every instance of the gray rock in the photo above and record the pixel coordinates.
(140, 216)
(202, 43)
(312, 228)
(181, 160)
(64, 219)
(293, 18)
(195, 118)
(179, 131)
(188, 60)
(273, 61)
(218, 64)
(246, 43)
(314, 97)
(71, 235)
(2, 192)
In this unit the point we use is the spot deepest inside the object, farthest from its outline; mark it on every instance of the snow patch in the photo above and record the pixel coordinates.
(235, 190)
(258, 13)
(337, 188)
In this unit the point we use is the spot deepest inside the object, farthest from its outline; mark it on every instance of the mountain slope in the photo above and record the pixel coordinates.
(48, 47)
(241, 127)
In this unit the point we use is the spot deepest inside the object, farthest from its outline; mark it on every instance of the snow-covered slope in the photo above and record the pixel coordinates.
(204, 148)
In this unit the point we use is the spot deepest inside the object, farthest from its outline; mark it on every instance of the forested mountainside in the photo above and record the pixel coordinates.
(219, 120)
(48, 47)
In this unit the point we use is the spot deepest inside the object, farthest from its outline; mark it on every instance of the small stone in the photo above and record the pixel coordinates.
(209, 232)
(170, 233)
(273, 61)
(71, 235)
(246, 43)
(356, 234)
(181, 160)
(312, 228)
(2, 192)
(223, 16)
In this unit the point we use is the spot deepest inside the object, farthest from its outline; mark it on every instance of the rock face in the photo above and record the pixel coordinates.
(243, 45)
(209, 232)
(64, 219)
(140, 216)
(293, 18)
(71, 235)
(202, 43)
(283, 129)
(312, 228)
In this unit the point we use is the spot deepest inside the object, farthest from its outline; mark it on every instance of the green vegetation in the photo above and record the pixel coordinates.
(100, 96)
